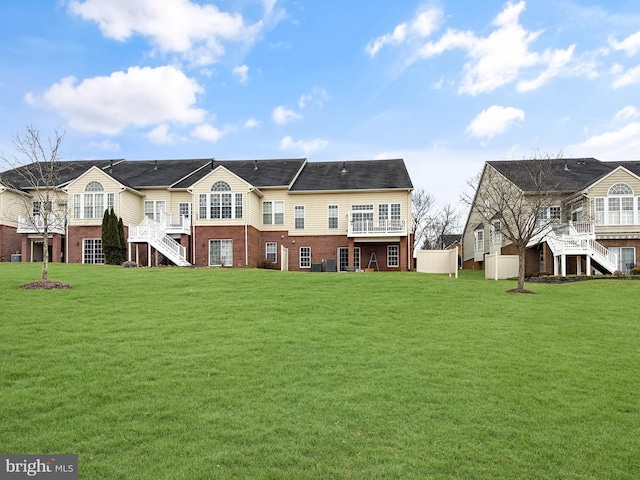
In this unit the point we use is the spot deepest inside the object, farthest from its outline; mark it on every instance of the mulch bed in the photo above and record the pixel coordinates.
(45, 285)
(520, 290)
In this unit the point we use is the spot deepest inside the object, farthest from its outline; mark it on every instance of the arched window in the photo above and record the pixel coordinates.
(94, 187)
(221, 203)
(93, 202)
(620, 204)
(220, 186)
(620, 189)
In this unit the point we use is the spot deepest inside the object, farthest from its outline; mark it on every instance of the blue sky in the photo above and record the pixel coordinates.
(446, 85)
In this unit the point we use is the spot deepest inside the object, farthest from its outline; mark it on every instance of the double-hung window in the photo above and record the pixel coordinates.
(333, 216)
(299, 217)
(273, 212)
(272, 251)
(154, 209)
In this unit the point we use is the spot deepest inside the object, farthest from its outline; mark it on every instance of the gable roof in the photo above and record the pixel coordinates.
(259, 173)
(353, 175)
(295, 174)
(26, 177)
(565, 174)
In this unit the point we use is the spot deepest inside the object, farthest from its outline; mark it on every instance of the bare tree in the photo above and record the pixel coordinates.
(422, 204)
(445, 221)
(34, 175)
(514, 198)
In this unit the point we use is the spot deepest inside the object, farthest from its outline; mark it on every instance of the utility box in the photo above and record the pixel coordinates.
(16, 257)
(316, 267)
(331, 264)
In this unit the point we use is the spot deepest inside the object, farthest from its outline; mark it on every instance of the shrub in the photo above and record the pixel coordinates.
(266, 263)
(618, 273)
(635, 271)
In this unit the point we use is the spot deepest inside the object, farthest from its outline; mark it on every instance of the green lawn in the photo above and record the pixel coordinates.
(238, 374)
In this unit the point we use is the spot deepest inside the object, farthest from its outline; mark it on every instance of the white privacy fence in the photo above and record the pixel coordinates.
(500, 267)
(437, 261)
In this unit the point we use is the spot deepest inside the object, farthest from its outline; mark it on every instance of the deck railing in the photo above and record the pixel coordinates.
(376, 228)
(35, 224)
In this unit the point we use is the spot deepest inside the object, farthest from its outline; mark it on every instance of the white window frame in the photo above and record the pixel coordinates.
(298, 217)
(271, 251)
(478, 240)
(154, 209)
(184, 209)
(226, 257)
(275, 213)
(305, 257)
(93, 202)
(393, 256)
(92, 251)
(332, 215)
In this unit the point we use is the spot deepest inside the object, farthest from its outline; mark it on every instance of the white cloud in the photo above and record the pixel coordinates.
(198, 32)
(241, 73)
(252, 123)
(139, 97)
(282, 115)
(304, 146)
(629, 77)
(494, 120)
(627, 113)
(630, 45)
(161, 135)
(317, 97)
(208, 133)
(424, 24)
(502, 57)
(556, 61)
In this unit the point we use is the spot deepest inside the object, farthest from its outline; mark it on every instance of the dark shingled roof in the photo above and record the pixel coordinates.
(140, 174)
(20, 178)
(353, 175)
(153, 173)
(565, 174)
(259, 173)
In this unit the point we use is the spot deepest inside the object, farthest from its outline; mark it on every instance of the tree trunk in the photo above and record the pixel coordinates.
(45, 253)
(521, 256)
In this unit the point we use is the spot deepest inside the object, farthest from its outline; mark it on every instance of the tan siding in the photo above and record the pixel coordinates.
(78, 186)
(130, 207)
(601, 188)
(12, 206)
(316, 209)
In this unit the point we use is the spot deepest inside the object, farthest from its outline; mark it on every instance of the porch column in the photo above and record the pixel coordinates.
(563, 265)
(579, 265)
(588, 265)
(26, 252)
(555, 266)
(351, 254)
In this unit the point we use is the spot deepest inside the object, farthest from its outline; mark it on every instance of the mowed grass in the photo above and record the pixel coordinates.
(174, 373)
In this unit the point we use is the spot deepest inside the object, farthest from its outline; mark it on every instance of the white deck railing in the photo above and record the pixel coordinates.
(154, 233)
(376, 228)
(581, 241)
(35, 224)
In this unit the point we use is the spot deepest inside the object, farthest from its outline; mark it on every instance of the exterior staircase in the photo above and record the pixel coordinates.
(154, 233)
(577, 239)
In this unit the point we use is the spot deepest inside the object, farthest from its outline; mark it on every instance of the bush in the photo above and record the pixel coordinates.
(635, 271)
(618, 273)
(266, 263)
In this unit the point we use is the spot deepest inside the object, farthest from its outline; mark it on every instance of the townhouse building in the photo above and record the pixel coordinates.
(593, 218)
(290, 213)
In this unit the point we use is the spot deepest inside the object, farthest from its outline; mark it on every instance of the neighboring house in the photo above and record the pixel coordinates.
(595, 213)
(295, 214)
(453, 242)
